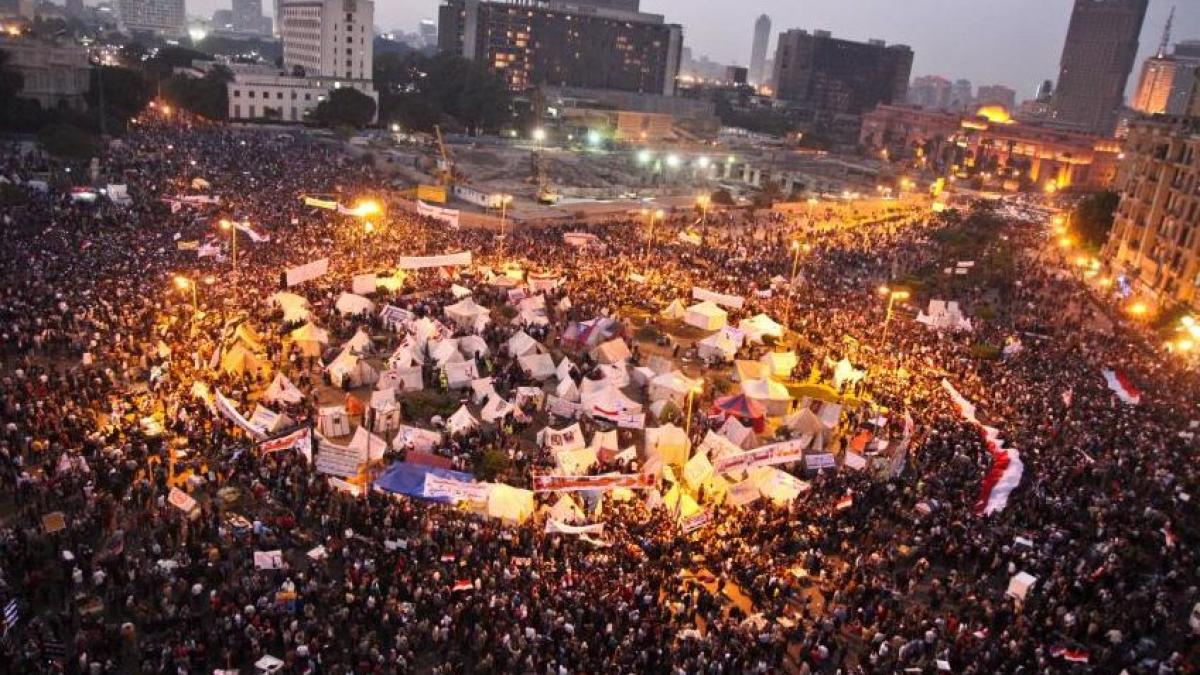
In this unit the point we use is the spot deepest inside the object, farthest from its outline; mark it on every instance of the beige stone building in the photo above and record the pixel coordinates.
(1154, 246)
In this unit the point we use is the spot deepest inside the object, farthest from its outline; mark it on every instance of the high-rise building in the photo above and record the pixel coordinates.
(758, 52)
(830, 76)
(595, 45)
(17, 8)
(1045, 90)
(930, 91)
(1155, 242)
(329, 38)
(248, 16)
(165, 17)
(962, 95)
(1168, 80)
(996, 94)
(428, 31)
(1097, 57)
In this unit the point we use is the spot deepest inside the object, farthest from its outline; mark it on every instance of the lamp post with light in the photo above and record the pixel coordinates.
(892, 296)
(229, 227)
(505, 200)
(184, 283)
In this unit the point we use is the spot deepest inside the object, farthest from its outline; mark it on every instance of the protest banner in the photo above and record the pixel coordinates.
(731, 301)
(767, 455)
(409, 262)
(612, 481)
(306, 272)
(448, 488)
(268, 560)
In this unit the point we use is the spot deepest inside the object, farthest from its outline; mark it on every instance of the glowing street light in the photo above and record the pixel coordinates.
(1138, 309)
(892, 296)
(539, 134)
(594, 138)
(644, 157)
(366, 207)
(703, 202)
(183, 283)
(673, 161)
(505, 200)
(229, 227)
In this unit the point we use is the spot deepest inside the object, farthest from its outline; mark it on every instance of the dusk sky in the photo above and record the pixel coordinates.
(1012, 42)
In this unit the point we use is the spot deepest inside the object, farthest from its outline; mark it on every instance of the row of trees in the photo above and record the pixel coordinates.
(418, 91)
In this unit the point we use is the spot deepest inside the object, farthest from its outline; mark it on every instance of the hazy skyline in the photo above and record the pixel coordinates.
(1013, 42)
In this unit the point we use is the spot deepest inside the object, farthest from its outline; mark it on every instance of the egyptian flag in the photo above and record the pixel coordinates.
(300, 439)
(845, 502)
(1072, 655)
(1122, 387)
(462, 585)
(448, 558)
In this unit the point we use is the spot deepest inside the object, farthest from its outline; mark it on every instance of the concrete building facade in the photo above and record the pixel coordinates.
(597, 45)
(1154, 245)
(1097, 58)
(758, 51)
(831, 76)
(54, 75)
(163, 17)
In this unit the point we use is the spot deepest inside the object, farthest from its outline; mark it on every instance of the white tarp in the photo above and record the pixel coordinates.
(705, 295)
(462, 259)
(349, 304)
(282, 390)
(759, 326)
(307, 272)
(295, 308)
(537, 366)
(447, 216)
(613, 351)
(706, 316)
(780, 364)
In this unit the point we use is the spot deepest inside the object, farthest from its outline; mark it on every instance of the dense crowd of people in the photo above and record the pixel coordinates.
(100, 419)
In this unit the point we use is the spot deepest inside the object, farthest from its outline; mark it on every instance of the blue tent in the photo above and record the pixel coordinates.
(409, 479)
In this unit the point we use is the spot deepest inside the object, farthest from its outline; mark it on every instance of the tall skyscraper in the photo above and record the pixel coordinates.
(594, 44)
(247, 15)
(930, 91)
(997, 94)
(829, 77)
(329, 38)
(962, 95)
(165, 17)
(1101, 44)
(758, 52)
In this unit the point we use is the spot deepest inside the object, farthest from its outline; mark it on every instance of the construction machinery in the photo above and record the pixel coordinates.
(545, 192)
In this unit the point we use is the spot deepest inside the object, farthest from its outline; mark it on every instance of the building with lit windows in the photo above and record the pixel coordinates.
(592, 44)
(1154, 245)
(991, 140)
(165, 17)
(1097, 57)
(1168, 82)
(327, 45)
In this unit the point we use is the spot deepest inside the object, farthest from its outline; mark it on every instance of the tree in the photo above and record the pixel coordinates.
(207, 96)
(1093, 218)
(125, 94)
(417, 91)
(345, 106)
(70, 142)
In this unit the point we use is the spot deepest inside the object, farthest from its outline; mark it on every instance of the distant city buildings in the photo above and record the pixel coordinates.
(930, 91)
(162, 17)
(758, 74)
(1097, 58)
(1169, 82)
(17, 9)
(327, 45)
(831, 82)
(996, 94)
(1154, 246)
(992, 142)
(54, 75)
(597, 44)
(962, 95)
(428, 32)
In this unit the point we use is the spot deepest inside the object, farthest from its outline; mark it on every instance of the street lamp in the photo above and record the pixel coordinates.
(539, 135)
(703, 201)
(183, 283)
(504, 202)
(229, 227)
(787, 310)
(691, 399)
(892, 296)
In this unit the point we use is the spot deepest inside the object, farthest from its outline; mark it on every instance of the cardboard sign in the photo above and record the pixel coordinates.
(54, 522)
(268, 560)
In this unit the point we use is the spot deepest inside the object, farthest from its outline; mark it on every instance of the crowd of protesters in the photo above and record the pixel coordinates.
(100, 348)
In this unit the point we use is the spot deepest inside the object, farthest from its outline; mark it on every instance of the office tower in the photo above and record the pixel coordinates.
(428, 30)
(1045, 90)
(830, 76)
(247, 16)
(758, 52)
(328, 38)
(996, 94)
(930, 91)
(164, 17)
(597, 45)
(1097, 57)
(962, 95)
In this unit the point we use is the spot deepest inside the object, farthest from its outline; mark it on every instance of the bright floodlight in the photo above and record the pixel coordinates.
(673, 161)
(594, 138)
(643, 157)
(539, 134)
(703, 162)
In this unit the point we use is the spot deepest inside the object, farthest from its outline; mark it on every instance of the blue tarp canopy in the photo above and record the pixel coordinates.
(409, 479)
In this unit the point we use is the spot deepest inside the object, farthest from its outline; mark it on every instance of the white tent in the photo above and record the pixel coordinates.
(407, 378)
(565, 510)
(771, 395)
(613, 351)
(563, 370)
(496, 408)
(238, 360)
(946, 316)
(368, 445)
(481, 388)
(667, 443)
(360, 343)
(309, 339)
(575, 462)
(461, 421)
(717, 347)
(845, 373)
(472, 346)
(567, 390)
(778, 486)
(295, 307)
(780, 364)
(738, 433)
(705, 316)
(532, 311)
(404, 357)
(608, 402)
(521, 344)
(350, 304)
(617, 375)
(268, 421)
(674, 386)
(415, 438)
(282, 390)
(445, 351)
(349, 370)
(465, 313)
(760, 326)
(674, 311)
(749, 370)
(538, 366)
(460, 373)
